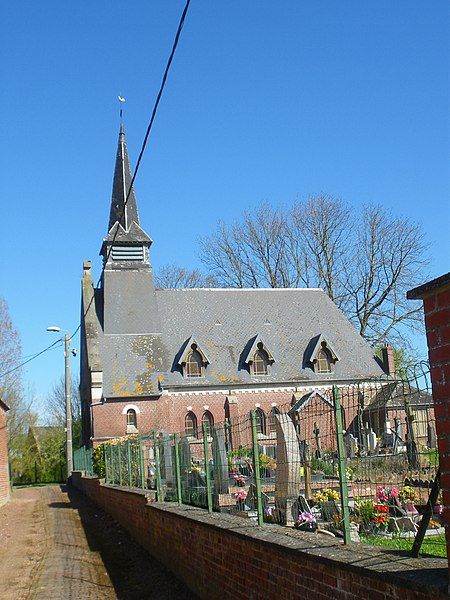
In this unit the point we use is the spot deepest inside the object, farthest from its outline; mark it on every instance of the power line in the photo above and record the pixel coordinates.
(141, 153)
(30, 359)
(150, 125)
(144, 143)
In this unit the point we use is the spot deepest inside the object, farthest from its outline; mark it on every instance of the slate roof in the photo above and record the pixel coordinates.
(222, 322)
(136, 335)
(394, 395)
(121, 186)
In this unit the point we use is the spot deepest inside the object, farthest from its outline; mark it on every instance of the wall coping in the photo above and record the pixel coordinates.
(429, 287)
(428, 575)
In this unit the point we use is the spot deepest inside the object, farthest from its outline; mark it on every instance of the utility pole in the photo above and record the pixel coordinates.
(69, 458)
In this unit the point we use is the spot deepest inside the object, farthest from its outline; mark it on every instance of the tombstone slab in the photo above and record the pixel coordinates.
(287, 478)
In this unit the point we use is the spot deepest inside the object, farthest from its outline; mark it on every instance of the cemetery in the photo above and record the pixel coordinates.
(347, 472)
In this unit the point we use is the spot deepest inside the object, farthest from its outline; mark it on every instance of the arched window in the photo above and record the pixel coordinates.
(208, 420)
(260, 361)
(272, 420)
(260, 421)
(190, 425)
(323, 361)
(194, 364)
(131, 417)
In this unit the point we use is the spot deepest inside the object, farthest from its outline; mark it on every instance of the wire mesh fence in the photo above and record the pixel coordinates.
(357, 461)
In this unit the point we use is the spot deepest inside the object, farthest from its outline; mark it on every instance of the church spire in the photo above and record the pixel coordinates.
(125, 215)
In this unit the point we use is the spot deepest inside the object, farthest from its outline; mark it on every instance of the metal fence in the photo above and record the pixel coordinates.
(82, 460)
(354, 460)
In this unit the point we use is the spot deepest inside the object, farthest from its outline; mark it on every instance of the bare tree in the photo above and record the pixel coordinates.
(389, 254)
(364, 261)
(11, 388)
(319, 239)
(253, 253)
(171, 276)
(55, 403)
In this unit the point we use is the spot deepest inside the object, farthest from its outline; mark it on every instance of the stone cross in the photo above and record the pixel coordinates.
(316, 432)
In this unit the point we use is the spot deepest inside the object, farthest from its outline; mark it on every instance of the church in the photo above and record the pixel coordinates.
(173, 359)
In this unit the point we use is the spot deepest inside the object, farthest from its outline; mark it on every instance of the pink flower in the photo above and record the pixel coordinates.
(241, 495)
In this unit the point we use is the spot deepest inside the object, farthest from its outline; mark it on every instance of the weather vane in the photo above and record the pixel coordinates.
(121, 102)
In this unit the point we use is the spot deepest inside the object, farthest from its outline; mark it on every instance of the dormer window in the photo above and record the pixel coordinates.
(321, 355)
(324, 360)
(194, 364)
(256, 357)
(260, 361)
(191, 360)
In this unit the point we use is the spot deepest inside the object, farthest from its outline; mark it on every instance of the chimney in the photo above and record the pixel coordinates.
(387, 356)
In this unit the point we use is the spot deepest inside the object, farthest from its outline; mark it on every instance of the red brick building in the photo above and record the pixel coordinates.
(170, 359)
(436, 304)
(4, 468)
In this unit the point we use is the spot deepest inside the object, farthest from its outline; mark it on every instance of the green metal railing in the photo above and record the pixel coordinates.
(82, 460)
(336, 457)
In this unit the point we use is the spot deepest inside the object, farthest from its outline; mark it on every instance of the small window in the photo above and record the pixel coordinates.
(194, 364)
(260, 361)
(208, 420)
(260, 421)
(131, 418)
(272, 420)
(323, 361)
(190, 425)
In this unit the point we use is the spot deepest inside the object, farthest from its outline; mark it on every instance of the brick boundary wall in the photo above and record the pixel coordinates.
(436, 304)
(221, 556)
(4, 469)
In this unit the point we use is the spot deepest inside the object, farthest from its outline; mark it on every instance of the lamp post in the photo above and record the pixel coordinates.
(69, 460)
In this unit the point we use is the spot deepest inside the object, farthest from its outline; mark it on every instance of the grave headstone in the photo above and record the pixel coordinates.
(287, 478)
(165, 456)
(351, 445)
(220, 461)
(431, 436)
(398, 436)
(185, 467)
(252, 500)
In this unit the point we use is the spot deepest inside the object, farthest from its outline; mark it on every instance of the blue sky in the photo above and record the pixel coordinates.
(266, 101)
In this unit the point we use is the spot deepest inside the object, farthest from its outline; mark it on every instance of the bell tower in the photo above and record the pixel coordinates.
(129, 299)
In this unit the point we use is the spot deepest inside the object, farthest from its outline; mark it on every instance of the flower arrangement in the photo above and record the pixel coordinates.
(241, 495)
(269, 514)
(325, 496)
(239, 479)
(408, 495)
(387, 494)
(373, 516)
(306, 521)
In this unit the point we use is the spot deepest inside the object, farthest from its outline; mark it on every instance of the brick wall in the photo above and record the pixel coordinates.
(168, 412)
(220, 556)
(4, 471)
(436, 304)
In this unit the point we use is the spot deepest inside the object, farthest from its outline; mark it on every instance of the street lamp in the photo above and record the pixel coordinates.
(69, 461)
